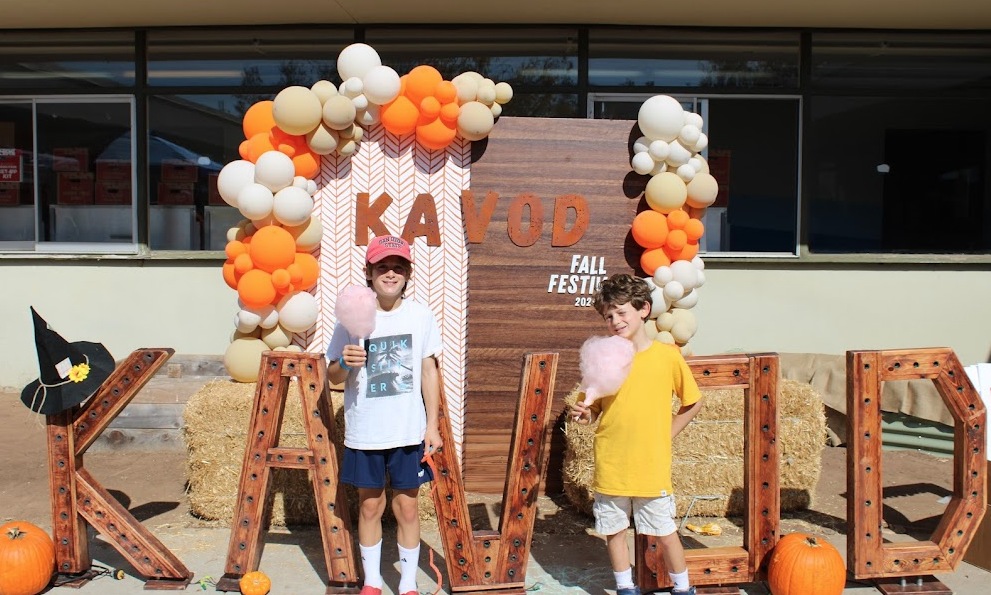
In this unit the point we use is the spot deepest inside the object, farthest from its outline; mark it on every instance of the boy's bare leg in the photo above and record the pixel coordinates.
(371, 505)
(673, 553)
(404, 507)
(619, 551)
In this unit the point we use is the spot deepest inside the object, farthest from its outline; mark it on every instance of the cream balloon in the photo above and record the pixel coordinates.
(296, 110)
(276, 337)
(324, 90)
(292, 206)
(322, 140)
(308, 235)
(339, 112)
(243, 359)
(475, 120)
(665, 192)
(504, 92)
(702, 191)
(298, 311)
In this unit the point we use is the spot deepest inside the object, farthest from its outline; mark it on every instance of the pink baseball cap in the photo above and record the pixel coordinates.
(381, 246)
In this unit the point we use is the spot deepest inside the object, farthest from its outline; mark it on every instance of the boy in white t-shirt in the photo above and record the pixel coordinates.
(391, 400)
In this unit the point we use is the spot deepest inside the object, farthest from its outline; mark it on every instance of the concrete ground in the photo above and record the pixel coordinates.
(146, 476)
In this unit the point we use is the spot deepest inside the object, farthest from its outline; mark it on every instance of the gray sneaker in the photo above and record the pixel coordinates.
(630, 591)
(688, 591)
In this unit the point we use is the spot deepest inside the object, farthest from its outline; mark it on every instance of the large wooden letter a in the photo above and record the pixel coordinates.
(495, 561)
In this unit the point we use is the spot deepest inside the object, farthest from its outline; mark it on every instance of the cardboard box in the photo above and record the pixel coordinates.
(10, 194)
(113, 170)
(113, 192)
(173, 193)
(979, 552)
(74, 188)
(179, 171)
(70, 159)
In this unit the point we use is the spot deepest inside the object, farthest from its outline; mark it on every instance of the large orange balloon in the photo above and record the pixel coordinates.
(446, 92)
(422, 82)
(253, 148)
(235, 248)
(677, 219)
(694, 229)
(400, 116)
(650, 229)
(258, 119)
(677, 238)
(308, 268)
(272, 247)
(435, 135)
(653, 258)
(255, 289)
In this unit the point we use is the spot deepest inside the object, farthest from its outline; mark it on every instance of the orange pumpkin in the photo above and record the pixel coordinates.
(255, 583)
(803, 565)
(27, 559)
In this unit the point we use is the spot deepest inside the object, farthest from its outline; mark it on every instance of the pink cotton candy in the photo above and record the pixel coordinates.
(355, 310)
(605, 363)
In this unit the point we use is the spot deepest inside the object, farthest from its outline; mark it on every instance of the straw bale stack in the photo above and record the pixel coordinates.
(707, 470)
(215, 430)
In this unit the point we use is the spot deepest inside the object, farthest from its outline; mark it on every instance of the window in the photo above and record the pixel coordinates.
(753, 154)
(66, 60)
(68, 175)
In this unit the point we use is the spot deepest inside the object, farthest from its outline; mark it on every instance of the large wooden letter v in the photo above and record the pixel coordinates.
(495, 561)
(77, 497)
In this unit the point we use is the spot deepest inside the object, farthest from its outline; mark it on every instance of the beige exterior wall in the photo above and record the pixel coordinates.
(185, 305)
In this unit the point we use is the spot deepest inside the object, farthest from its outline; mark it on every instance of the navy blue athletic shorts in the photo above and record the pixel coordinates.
(367, 468)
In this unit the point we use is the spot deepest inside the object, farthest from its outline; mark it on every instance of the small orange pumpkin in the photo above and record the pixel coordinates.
(27, 559)
(803, 565)
(255, 583)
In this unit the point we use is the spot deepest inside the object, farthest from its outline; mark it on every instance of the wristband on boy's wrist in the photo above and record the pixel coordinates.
(343, 365)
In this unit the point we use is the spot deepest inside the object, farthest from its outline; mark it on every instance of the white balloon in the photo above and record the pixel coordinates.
(293, 206)
(642, 163)
(699, 263)
(274, 170)
(381, 85)
(360, 102)
(658, 302)
(661, 118)
(674, 290)
(696, 163)
(702, 143)
(269, 317)
(659, 168)
(693, 119)
(659, 150)
(689, 301)
(678, 155)
(663, 276)
(369, 116)
(641, 145)
(299, 182)
(689, 135)
(298, 311)
(246, 321)
(311, 187)
(352, 87)
(701, 278)
(357, 60)
(255, 202)
(686, 172)
(685, 273)
(235, 176)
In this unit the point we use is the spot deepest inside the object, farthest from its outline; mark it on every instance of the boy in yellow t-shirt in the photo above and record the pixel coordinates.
(633, 440)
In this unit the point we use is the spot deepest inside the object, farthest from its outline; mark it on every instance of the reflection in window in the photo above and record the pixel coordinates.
(66, 60)
(521, 57)
(884, 179)
(239, 58)
(85, 193)
(901, 60)
(676, 58)
(191, 138)
(17, 226)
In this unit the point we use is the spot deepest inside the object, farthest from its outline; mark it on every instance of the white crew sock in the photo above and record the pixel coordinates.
(680, 580)
(624, 579)
(371, 557)
(409, 562)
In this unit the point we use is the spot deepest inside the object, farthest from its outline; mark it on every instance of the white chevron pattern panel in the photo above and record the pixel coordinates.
(397, 166)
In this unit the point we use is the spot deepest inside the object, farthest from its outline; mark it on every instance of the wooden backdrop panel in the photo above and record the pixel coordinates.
(511, 310)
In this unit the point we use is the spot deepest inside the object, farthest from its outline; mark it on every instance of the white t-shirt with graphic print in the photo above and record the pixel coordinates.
(383, 405)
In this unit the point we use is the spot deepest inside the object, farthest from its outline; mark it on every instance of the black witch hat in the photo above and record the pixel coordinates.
(70, 372)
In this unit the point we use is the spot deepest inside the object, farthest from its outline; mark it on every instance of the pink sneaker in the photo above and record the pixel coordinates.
(411, 593)
(366, 590)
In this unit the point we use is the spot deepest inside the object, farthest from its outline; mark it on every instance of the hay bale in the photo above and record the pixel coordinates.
(216, 424)
(707, 466)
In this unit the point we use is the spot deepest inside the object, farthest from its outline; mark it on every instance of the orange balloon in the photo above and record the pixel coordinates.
(234, 248)
(258, 144)
(429, 108)
(308, 268)
(446, 92)
(243, 264)
(272, 247)
(421, 82)
(449, 113)
(677, 239)
(258, 118)
(435, 135)
(653, 258)
(307, 164)
(230, 276)
(400, 116)
(280, 280)
(677, 219)
(689, 252)
(694, 229)
(243, 149)
(290, 144)
(295, 274)
(255, 289)
(650, 229)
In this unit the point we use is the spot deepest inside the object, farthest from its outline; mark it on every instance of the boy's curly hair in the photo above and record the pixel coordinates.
(619, 289)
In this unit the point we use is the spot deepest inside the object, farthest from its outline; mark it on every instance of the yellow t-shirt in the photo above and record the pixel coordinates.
(633, 440)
